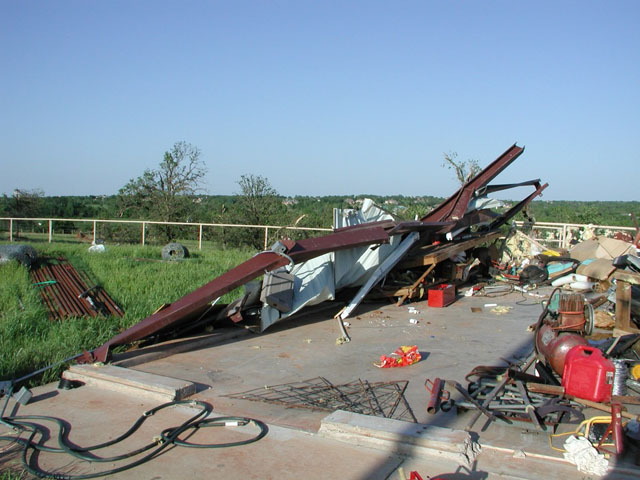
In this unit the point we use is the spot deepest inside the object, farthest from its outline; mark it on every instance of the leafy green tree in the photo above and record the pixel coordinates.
(25, 203)
(166, 193)
(258, 203)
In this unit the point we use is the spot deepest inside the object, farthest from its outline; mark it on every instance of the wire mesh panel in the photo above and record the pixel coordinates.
(379, 399)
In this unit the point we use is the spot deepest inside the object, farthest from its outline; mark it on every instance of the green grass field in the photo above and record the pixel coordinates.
(133, 276)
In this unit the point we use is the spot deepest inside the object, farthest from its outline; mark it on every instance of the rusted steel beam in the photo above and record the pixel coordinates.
(386, 224)
(455, 206)
(351, 238)
(513, 211)
(196, 302)
(418, 226)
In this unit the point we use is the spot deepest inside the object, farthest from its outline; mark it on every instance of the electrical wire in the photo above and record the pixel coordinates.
(169, 436)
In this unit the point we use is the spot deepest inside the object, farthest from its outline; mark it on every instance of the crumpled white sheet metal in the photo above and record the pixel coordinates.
(483, 203)
(317, 280)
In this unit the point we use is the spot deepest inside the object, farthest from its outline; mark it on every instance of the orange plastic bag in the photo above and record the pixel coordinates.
(402, 357)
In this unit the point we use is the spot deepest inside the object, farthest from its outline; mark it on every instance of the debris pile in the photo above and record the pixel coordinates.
(604, 271)
(367, 248)
(568, 374)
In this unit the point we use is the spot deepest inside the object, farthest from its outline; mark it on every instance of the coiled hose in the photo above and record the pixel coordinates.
(168, 437)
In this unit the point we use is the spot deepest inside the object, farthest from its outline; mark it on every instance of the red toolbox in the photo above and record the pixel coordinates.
(441, 295)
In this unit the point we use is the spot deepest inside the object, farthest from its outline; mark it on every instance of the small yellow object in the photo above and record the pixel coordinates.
(635, 371)
(501, 310)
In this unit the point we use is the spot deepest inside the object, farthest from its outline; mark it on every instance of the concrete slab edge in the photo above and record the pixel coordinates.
(536, 462)
(418, 439)
(400, 437)
(132, 382)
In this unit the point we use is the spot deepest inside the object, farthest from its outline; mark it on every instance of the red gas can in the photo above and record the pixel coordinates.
(588, 374)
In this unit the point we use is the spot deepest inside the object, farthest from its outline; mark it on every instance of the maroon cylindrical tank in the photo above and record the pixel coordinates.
(555, 346)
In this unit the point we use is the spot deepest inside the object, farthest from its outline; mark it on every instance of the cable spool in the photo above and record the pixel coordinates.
(174, 251)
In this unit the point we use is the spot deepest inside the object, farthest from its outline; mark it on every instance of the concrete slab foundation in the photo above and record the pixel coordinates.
(314, 443)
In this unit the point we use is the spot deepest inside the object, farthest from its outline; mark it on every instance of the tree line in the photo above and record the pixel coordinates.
(172, 192)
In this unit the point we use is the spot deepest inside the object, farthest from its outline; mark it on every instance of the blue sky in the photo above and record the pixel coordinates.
(321, 97)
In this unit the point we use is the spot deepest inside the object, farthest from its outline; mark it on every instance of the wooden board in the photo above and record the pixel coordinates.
(624, 280)
(434, 254)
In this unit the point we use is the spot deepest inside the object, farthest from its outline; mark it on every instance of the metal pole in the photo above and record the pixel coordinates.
(50, 230)
(266, 237)
(144, 226)
(564, 236)
(94, 232)
(200, 238)
(11, 229)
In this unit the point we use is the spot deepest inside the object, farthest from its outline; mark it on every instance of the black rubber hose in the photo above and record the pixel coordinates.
(167, 438)
(220, 422)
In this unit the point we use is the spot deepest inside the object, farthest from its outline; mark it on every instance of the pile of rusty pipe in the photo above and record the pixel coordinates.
(97, 293)
(63, 297)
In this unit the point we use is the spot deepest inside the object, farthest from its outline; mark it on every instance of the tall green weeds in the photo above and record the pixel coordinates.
(134, 277)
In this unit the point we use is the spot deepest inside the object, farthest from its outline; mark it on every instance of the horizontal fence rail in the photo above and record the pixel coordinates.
(549, 233)
(143, 224)
(562, 234)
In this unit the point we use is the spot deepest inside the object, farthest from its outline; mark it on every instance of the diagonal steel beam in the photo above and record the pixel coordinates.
(198, 301)
(506, 216)
(455, 206)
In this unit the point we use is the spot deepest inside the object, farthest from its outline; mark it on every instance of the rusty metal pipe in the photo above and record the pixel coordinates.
(616, 427)
(435, 389)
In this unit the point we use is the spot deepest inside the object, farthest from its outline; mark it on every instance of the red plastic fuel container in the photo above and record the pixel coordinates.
(588, 374)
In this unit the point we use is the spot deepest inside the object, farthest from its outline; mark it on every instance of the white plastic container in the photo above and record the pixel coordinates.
(582, 286)
(571, 278)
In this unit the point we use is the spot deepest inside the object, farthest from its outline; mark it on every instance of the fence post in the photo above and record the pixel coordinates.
(200, 238)
(11, 229)
(266, 237)
(94, 232)
(50, 230)
(144, 226)
(564, 235)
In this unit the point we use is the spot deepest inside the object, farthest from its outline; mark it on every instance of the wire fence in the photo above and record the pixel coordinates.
(143, 231)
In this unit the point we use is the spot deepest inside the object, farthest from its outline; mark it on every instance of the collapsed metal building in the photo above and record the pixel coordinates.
(365, 247)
